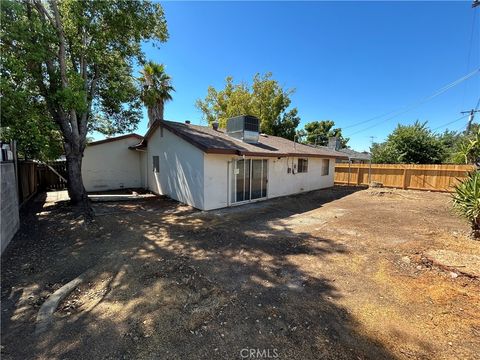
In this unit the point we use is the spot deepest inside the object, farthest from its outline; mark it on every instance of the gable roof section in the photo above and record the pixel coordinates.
(218, 142)
(121, 137)
(352, 154)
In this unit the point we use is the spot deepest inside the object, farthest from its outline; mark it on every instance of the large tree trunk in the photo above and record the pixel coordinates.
(76, 190)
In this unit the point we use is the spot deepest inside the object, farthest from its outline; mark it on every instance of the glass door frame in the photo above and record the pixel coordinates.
(234, 181)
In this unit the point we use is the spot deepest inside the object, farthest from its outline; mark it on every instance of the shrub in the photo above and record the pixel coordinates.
(466, 200)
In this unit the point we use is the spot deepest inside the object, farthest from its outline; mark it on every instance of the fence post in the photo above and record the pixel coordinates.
(404, 182)
(349, 169)
(15, 166)
(358, 174)
(370, 172)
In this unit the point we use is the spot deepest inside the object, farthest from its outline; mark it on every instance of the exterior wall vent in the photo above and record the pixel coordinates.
(245, 128)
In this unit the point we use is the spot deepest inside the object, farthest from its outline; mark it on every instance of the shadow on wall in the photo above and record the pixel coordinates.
(183, 183)
(176, 283)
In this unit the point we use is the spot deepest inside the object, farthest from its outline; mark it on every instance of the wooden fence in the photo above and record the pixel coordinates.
(33, 176)
(403, 176)
(27, 178)
(49, 178)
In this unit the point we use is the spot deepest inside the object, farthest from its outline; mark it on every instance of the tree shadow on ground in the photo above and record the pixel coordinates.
(176, 283)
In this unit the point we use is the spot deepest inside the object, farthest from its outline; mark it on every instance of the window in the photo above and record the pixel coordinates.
(156, 164)
(325, 167)
(302, 165)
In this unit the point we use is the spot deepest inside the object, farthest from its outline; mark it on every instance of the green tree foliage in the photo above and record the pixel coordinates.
(318, 132)
(409, 144)
(383, 153)
(466, 200)
(76, 59)
(156, 90)
(25, 119)
(265, 99)
(451, 140)
(468, 148)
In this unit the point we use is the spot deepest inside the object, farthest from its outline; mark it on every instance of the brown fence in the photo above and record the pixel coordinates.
(27, 179)
(33, 176)
(49, 178)
(403, 176)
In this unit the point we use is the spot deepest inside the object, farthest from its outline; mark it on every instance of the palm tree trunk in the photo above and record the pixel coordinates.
(151, 115)
(157, 111)
(161, 109)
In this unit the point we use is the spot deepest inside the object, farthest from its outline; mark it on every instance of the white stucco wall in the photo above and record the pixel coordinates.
(281, 183)
(111, 166)
(143, 168)
(181, 168)
(218, 176)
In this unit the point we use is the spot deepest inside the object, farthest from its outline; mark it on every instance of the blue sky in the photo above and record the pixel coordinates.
(348, 61)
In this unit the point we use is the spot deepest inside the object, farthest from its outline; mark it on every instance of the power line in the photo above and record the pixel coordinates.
(451, 122)
(470, 48)
(461, 128)
(421, 102)
(371, 119)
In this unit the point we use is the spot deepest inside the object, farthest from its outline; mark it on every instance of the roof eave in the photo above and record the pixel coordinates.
(121, 137)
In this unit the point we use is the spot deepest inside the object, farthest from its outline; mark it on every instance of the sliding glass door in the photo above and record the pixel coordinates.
(250, 180)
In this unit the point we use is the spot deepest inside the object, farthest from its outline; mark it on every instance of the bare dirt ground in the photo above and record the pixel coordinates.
(335, 274)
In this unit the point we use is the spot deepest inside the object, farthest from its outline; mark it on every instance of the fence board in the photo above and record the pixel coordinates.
(442, 177)
(33, 176)
(27, 180)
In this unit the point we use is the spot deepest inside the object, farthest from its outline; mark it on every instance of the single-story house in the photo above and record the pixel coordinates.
(207, 167)
(353, 157)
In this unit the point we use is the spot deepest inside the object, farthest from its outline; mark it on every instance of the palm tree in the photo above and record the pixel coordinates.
(466, 200)
(156, 90)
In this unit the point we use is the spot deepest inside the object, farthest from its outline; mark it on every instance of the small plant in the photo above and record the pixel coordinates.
(466, 200)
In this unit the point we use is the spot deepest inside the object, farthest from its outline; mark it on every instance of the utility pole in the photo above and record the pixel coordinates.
(470, 118)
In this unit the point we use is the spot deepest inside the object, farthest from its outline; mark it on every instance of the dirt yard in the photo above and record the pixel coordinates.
(333, 274)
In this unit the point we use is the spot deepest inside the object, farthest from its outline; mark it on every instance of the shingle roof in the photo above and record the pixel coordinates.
(121, 137)
(352, 154)
(218, 142)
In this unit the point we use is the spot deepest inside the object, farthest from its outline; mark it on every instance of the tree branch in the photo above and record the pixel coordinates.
(62, 43)
(43, 12)
(90, 95)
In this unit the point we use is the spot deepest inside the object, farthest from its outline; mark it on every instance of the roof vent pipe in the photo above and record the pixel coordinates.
(215, 125)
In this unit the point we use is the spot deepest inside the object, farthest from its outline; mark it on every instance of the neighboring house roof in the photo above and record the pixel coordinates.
(352, 154)
(139, 137)
(218, 142)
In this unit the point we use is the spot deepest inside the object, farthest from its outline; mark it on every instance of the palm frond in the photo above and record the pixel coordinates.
(466, 198)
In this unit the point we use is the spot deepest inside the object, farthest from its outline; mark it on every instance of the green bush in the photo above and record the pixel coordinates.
(466, 200)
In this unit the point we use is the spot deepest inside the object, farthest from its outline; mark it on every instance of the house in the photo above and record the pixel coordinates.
(208, 167)
(353, 157)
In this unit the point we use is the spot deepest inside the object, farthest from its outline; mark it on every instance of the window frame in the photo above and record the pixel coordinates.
(327, 168)
(302, 165)
(155, 164)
